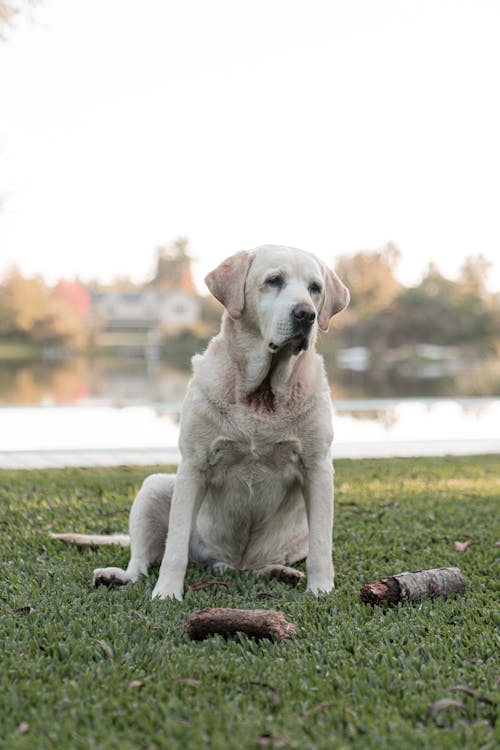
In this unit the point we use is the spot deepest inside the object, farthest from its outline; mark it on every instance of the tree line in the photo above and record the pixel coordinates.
(383, 313)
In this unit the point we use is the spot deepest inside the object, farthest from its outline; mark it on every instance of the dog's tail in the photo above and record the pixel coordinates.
(94, 540)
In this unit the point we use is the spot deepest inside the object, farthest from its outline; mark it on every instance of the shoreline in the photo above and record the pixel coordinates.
(52, 459)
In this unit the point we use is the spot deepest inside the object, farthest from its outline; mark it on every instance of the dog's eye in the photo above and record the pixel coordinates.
(315, 288)
(276, 281)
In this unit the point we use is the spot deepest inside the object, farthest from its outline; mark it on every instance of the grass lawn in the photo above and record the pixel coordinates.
(84, 668)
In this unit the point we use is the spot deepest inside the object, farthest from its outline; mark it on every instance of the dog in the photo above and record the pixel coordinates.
(254, 487)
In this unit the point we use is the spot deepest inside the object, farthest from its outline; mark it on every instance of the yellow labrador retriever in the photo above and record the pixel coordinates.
(254, 488)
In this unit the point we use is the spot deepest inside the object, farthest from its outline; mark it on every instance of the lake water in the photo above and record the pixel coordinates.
(76, 414)
(149, 433)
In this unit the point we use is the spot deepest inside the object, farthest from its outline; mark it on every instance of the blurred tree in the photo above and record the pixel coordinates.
(474, 275)
(8, 10)
(371, 280)
(23, 302)
(437, 311)
(7, 13)
(173, 267)
(61, 324)
(120, 283)
(28, 310)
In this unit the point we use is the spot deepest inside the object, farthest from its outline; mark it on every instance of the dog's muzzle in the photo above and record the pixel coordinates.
(303, 317)
(296, 329)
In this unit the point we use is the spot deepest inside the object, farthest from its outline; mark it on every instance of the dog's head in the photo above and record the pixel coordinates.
(283, 292)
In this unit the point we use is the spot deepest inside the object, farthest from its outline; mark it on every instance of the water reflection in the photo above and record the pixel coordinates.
(386, 416)
(412, 420)
(113, 404)
(82, 380)
(138, 380)
(407, 427)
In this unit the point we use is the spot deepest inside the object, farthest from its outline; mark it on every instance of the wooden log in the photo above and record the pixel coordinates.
(256, 623)
(412, 587)
(93, 540)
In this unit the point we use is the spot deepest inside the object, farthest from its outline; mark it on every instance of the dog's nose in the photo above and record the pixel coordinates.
(304, 315)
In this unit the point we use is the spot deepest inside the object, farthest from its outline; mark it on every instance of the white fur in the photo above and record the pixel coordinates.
(254, 488)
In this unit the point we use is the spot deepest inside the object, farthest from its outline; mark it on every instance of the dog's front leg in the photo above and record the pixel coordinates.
(190, 488)
(318, 495)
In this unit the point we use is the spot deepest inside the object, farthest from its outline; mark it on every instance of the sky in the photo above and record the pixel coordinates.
(330, 125)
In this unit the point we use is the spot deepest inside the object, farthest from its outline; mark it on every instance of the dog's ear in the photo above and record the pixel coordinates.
(335, 300)
(227, 282)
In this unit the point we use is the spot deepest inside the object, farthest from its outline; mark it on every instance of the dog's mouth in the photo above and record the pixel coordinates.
(293, 335)
(298, 342)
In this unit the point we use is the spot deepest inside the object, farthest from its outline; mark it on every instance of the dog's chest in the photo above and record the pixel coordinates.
(253, 460)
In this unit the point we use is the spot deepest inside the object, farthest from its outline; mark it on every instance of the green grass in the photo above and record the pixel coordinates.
(353, 677)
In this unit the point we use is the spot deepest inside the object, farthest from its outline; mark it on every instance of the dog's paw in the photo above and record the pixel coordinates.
(320, 586)
(286, 574)
(282, 573)
(220, 567)
(110, 577)
(165, 591)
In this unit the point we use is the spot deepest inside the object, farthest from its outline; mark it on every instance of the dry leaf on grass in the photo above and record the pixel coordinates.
(106, 648)
(133, 684)
(461, 546)
(206, 584)
(22, 728)
(468, 690)
(352, 508)
(441, 704)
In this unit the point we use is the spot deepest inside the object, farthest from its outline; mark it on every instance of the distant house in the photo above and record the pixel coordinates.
(144, 312)
(178, 310)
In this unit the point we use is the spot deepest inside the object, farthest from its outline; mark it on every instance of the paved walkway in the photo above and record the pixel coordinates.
(47, 459)
(149, 456)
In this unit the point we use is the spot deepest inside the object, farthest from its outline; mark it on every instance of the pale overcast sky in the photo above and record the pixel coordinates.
(331, 125)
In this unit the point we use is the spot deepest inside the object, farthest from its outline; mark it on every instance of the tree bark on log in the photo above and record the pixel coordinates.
(413, 587)
(256, 623)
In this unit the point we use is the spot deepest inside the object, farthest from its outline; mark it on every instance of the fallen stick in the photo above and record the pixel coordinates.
(256, 623)
(93, 540)
(412, 587)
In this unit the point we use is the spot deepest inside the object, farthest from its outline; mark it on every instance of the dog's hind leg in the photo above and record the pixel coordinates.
(148, 526)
